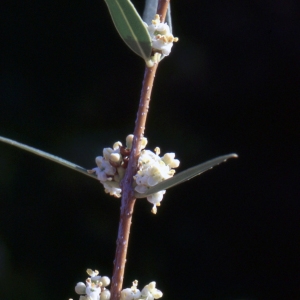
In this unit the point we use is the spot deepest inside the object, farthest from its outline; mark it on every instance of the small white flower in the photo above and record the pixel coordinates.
(162, 38)
(94, 288)
(131, 294)
(169, 160)
(112, 188)
(104, 170)
(155, 199)
(92, 273)
(128, 294)
(107, 170)
(150, 292)
(93, 291)
(152, 170)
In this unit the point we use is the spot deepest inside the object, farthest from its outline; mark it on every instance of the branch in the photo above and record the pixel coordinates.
(128, 198)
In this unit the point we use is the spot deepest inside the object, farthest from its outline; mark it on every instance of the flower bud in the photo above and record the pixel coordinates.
(144, 142)
(129, 294)
(105, 280)
(107, 152)
(115, 157)
(117, 145)
(80, 288)
(174, 164)
(99, 161)
(121, 172)
(105, 295)
(126, 294)
(168, 157)
(157, 294)
(129, 140)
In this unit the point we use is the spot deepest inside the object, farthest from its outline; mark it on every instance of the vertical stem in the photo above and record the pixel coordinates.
(128, 200)
(162, 9)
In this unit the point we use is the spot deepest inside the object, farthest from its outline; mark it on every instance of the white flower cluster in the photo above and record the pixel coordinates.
(152, 169)
(149, 292)
(162, 38)
(111, 166)
(94, 289)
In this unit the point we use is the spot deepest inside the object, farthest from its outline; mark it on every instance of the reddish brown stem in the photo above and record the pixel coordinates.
(162, 9)
(128, 200)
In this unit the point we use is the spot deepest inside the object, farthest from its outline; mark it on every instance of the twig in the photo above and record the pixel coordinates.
(128, 200)
(162, 9)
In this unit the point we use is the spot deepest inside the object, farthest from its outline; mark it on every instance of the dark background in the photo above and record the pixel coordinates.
(70, 86)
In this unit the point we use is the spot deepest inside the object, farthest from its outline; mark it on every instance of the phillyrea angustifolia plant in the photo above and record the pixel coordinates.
(128, 170)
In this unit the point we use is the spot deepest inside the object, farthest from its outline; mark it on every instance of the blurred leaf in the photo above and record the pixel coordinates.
(150, 11)
(130, 26)
(186, 175)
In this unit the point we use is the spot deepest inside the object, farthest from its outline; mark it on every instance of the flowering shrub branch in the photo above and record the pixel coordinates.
(128, 199)
(131, 171)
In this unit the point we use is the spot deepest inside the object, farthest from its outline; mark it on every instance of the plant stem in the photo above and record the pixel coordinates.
(128, 200)
(162, 9)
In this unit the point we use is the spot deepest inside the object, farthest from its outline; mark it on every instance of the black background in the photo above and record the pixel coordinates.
(70, 86)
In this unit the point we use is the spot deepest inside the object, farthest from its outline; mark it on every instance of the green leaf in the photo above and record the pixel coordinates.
(49, 156)
(130, 26)
(186, 175)
(166, 184)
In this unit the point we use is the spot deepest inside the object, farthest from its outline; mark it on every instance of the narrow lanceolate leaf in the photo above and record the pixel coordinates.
(130, 26)
(186, 175)
(48, 156)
